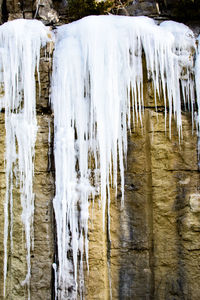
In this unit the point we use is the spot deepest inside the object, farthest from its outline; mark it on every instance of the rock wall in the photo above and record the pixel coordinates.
(42, 255)
(154, 251)
(155, 247)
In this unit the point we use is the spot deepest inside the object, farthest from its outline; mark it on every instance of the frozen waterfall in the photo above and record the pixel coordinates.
(20, 43)
(97, 91)
(97, 95)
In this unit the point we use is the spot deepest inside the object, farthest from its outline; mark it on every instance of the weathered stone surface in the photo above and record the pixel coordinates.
(154, 251)
(42, 255)
(43, 252)
(154, 239)
(195, 203)
(45, 11)
(140, 8)
(174, 178)
(180, 9)
(14, 6)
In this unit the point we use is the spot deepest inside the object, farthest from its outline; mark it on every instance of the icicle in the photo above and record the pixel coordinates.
(20, 43)
(180, 70)
(49, 146)
(197, 84)
(97, 66)
(55, 280)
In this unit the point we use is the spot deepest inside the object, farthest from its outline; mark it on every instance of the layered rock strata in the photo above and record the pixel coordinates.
(155, 249)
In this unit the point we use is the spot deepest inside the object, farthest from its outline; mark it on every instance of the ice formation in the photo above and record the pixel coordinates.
(97, 94)
(197, 81)
(20, 43)
(97, 85)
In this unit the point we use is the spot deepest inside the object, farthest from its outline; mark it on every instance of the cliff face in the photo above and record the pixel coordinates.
(43, 187)
(155, 239)
(155, 246)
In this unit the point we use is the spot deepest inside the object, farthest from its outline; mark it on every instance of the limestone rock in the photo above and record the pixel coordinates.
(154, 252)
(195, 203)
(45, 11)
(140, 8)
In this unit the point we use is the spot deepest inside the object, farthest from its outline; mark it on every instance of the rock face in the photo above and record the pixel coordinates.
(46, 12)
(155, 246)
(140, 8)
(42, 256)
(180, 9)
(154, 251)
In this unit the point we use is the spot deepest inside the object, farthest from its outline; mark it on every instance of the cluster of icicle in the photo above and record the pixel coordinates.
(20, 43)
(97, 89)
(97, 92)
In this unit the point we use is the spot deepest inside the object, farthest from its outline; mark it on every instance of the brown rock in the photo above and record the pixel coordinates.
(195, 203)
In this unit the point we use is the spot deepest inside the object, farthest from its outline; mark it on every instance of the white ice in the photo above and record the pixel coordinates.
(20, 43)
(97, 78)
(97, 94)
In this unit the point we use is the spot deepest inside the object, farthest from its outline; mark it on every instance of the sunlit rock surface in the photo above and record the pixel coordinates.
(154, 251)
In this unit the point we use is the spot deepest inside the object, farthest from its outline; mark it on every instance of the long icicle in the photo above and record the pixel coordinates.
(20, 43)
(96, 61)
